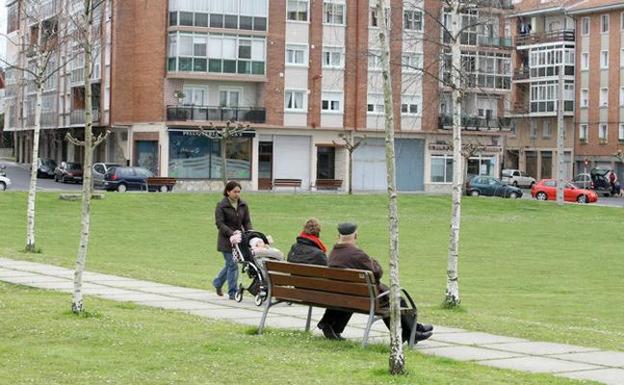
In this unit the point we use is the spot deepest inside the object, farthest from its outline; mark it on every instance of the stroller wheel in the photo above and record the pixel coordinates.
(238, 296)
(259, 298)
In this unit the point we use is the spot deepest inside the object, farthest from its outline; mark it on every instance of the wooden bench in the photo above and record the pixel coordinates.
(160, 183)
(328, 184)
(287, 183)
(331, 288)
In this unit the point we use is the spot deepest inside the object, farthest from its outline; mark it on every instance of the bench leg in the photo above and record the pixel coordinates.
(369, 324)
(413, 333)
(267, 306)
(307, 329)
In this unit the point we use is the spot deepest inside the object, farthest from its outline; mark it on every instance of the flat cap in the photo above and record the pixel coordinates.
(347, 228)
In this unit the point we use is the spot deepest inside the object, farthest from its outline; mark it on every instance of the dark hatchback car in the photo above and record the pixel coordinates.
(68, 172)
(490, 186)
(45, 168)
(126, 178)
(597, 180)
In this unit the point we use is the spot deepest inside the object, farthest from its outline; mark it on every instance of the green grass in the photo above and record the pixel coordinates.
(43, 343)
(527, 269)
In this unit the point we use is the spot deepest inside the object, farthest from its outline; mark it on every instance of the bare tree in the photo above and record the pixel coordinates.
(40, 39)
(224, 135)
(84, 32)
(397, 358)
(351, 144)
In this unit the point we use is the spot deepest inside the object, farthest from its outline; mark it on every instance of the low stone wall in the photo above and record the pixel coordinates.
(438, 188)
(205, 186)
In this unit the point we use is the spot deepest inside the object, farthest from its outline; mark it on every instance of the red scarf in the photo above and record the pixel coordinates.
(314, 239)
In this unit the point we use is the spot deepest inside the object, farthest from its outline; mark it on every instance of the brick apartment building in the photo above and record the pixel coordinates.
(298, 72)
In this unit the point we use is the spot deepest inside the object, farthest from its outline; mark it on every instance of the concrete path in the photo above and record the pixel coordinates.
(487, 349)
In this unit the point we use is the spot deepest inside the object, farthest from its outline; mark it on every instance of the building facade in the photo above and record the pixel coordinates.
(300, 74)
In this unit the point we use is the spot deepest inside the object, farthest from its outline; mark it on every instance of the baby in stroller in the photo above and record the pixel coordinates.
(252, 249)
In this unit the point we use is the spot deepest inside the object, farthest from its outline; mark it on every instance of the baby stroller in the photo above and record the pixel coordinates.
(243, 254)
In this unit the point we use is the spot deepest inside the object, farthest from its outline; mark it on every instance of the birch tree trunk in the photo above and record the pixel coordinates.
(85, 222)
(560, 139)
(350, 151)
(32, 189)
(397, 358)
(452, 284)
(224, 156)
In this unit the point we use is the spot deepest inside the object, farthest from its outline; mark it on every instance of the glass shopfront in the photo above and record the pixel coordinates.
(194, 155)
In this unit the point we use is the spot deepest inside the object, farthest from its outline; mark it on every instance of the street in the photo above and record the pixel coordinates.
(20, 179)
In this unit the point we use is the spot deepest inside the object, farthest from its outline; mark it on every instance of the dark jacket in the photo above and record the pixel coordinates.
(308, 252)
(228, 219)
(349, 256)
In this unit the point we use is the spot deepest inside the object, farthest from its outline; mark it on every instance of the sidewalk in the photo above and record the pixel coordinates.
(570, 361)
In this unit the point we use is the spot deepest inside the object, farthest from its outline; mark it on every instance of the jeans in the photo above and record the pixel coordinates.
(229, 272)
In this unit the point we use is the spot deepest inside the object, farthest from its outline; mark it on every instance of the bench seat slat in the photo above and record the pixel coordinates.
(333, 300)
(321, 284)
(349, 275)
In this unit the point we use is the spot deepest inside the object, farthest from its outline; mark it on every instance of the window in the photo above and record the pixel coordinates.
(622, 96)
(410, 105)
(297, 10)
(441, 169)
(374, 61)
(332, 57)
(375, 104)
(197, 96)
(604, 97)
(585, 26)
(296, 54)
(372, 19)
(585, 97)
(229, 97)
(583, 132)
(622, 58)
(533, 132)
(325, 162)
(333, 12)
(622, 21)
(604, 23)
(603, 132)
(413, 20)
(547, 131)
(621, 133)
(411, 62)
(196, 156)
(331, 102)
(604, 59)
(294, 100)
(585, 61)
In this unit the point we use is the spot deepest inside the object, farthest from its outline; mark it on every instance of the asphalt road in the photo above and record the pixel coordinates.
(20, 180)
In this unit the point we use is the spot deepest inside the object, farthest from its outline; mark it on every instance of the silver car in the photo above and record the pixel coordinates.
(99, 170)
(517, 178)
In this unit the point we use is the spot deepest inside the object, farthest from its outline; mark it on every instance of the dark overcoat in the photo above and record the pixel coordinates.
(229, 219)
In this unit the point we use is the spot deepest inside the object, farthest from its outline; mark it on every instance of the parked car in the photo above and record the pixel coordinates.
(546, 189)
(45, 168)
(4, 182)
(126, 178)
(517, 178)
(490, 186)
(99, 170)
(68, 172)
(596, 180)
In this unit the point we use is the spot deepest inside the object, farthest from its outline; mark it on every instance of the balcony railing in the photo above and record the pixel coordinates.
(521, 73)
(215, 113)
(501, 4)
(78, 116)
(545, 37)
(476, 123)
(494, 41)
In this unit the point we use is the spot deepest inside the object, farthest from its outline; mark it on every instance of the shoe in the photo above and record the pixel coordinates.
(422, 336)
(232, 296)
(339, 337)
(423, 328)
(329, 332)
(219, 291)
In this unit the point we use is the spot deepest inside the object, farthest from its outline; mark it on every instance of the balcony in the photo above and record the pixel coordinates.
(494, 41)
(521, 73)
(471, 123)
(215, 113)
(500, 4)
(545, 37)
(78, 116)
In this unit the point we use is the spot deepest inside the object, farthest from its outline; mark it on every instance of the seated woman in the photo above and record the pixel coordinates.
(309, 248)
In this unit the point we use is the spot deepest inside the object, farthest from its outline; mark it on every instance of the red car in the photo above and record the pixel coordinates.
(546, 189)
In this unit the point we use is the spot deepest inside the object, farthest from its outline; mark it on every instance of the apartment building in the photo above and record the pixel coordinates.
(299, 74)
(600, 115)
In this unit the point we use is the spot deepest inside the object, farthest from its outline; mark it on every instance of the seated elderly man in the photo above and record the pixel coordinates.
(346, 254)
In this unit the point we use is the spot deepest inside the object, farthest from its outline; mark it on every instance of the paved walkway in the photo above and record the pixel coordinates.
(487, 349)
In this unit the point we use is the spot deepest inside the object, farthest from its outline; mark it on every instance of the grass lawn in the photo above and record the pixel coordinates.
(119, 343)
(527, 269)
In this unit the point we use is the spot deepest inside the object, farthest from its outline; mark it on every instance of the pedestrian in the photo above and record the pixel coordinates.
(612, 181)
(309, 248)
(231, 218)
(346, 254)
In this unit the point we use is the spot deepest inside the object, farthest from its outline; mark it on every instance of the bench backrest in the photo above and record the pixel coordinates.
(348, 289)
(287, 182)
